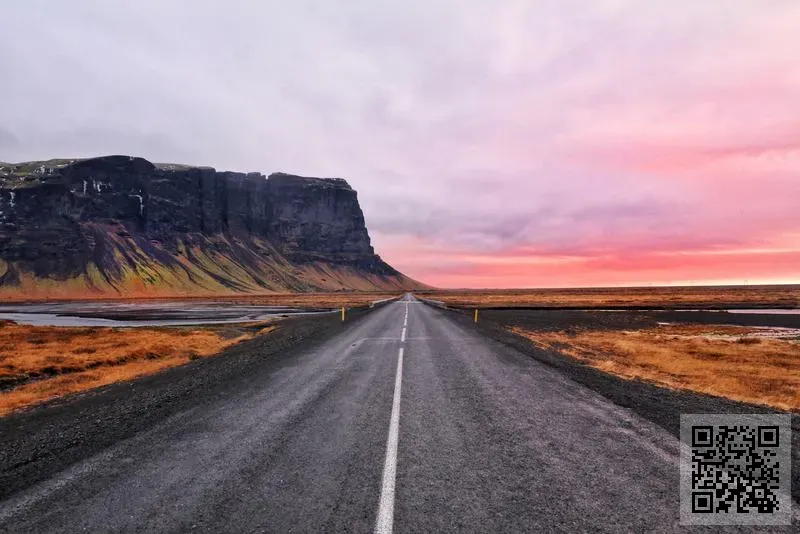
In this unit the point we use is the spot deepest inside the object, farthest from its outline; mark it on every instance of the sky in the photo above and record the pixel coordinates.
(503, 143)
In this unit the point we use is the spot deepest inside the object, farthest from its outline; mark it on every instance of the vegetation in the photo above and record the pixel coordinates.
(671, 297)
(41, 363)
(29, 173)
(197, 271)
(740, 363)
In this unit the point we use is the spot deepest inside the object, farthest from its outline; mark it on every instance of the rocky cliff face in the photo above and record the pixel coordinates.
(123, 225)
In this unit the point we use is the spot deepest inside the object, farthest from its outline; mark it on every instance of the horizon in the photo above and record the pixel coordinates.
(649, 286)
(543, 146)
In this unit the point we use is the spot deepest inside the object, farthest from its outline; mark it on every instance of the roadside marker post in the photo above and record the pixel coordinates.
(342, 313)
(476, 315)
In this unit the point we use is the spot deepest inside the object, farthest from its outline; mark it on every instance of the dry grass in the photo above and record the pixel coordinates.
(684, 297)
(311, 300)
(718, 360)
(296, 300)
(41, 363)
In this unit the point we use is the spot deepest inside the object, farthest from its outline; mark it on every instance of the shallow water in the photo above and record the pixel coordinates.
(119, 314)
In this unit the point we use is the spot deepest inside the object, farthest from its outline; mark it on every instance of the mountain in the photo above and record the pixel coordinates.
(122, 226)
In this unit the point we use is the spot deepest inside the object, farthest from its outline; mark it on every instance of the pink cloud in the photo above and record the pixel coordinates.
(531, 143)
(646, 153)
(590, 270)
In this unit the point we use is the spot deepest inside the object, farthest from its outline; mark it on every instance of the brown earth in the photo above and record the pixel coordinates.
(779, 296)
(649, 399)
(41, 363)
(38, 442)
(730, 361)
(297, 300)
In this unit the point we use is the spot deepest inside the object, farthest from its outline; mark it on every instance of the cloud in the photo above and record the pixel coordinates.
(517, 129)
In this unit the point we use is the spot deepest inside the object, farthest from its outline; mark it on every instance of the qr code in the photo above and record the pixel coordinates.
(735, 469)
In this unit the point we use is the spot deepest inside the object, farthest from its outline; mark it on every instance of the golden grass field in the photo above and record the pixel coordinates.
(308, 300)
(48, 362)
(334, 299)
(684, 297)
(41, 363)
(728, 361)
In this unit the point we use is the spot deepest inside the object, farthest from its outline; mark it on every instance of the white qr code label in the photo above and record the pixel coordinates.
(736, 469)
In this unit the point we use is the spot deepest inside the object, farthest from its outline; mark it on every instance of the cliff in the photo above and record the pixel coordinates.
(120, 225)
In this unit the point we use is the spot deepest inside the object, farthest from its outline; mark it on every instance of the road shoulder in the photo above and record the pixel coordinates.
(660, 405)
(38, 442)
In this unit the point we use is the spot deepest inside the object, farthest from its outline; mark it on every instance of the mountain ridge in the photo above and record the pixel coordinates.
(123, 226)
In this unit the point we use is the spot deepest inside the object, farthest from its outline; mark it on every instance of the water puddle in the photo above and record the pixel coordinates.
(118, 314)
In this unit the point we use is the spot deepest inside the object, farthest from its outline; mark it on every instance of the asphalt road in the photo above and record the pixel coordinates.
(407, 420)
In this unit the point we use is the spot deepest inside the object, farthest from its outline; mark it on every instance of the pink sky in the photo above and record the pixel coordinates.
(504, 144)
(663, 149)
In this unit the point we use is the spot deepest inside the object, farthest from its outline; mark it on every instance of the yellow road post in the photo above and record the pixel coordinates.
(476, 315)
(342, 313)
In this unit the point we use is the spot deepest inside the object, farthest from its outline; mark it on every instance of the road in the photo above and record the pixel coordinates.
(406, 421)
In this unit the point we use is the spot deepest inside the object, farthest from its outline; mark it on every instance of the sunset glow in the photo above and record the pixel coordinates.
(502, 144)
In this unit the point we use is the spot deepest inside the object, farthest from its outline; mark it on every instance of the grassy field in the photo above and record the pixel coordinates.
(668, 297)
(739, 363)
(41, 363)
(308, 300)
(334, 299)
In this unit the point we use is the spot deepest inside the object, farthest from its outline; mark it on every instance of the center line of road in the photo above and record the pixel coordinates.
(384, 523)
(403, 336)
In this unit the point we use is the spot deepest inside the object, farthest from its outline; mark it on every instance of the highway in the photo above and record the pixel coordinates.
(406, 421)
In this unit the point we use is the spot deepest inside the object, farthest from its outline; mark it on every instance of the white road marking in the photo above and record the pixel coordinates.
(403, 336)
(384, 523)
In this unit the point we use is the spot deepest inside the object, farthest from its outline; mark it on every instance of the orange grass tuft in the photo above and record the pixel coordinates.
(40, 363)
(674, 297)
(715, 360)
(313, 300)
(297, 300)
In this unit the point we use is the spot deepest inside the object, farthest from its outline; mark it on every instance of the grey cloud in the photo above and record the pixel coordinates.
(96, 141)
